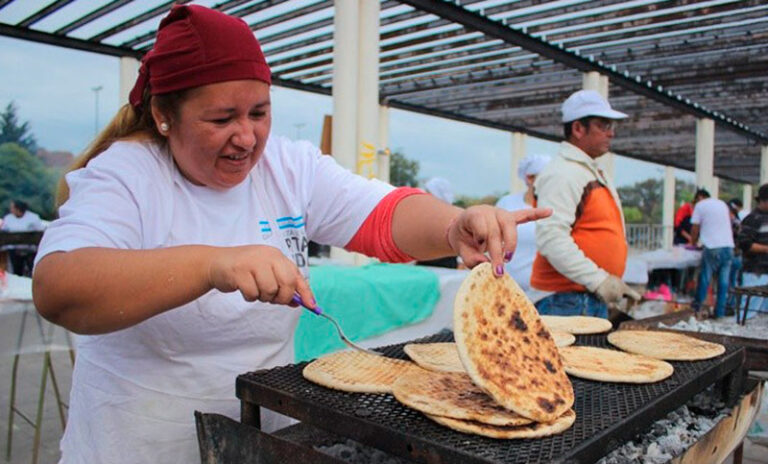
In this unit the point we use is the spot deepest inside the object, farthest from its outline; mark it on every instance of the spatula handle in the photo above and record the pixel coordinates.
(297, 299)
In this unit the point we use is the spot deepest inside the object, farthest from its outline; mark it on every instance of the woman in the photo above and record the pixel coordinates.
(519, 267)
(183, 202)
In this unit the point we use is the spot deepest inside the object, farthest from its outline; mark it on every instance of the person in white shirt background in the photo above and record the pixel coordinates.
(21, 219)
(712, 227)
(183, 201)
(519, 267)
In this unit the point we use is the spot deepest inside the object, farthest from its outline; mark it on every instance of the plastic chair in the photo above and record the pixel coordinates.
(49, 338)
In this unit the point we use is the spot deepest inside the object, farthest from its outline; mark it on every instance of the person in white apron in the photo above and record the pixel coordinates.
(184, 237)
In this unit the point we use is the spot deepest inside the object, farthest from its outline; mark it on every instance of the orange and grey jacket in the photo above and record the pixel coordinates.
(583, 241)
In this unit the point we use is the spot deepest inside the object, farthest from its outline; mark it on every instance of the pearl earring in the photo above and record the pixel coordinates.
(164, 127)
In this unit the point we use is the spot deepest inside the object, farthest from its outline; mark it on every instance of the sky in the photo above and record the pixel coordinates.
(53, 89)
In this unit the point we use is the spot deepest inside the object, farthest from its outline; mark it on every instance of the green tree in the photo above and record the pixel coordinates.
(12, 131)
(684, 192)
(464, 201)
(402, 171)
(26, 178)
(646, 197)
(632, 215)
(729, 189)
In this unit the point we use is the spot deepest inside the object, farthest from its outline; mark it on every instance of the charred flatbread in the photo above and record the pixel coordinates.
(441, 357)
(665, 345)
(355, 371)
(589, 362)
(533, 430)
(562, 338)
(451, 394)
(579, 325)
(506, 349)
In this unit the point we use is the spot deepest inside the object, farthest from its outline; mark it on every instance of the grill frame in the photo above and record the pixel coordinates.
(757, 348)
(378, 420)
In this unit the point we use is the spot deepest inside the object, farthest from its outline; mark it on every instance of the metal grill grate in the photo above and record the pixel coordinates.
(607, 414)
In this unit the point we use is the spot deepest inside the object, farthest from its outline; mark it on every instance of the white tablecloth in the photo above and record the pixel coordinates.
(640, 265)
(676, 258)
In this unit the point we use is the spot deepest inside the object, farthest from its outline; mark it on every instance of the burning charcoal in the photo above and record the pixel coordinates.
(671, 436)
(356, 453)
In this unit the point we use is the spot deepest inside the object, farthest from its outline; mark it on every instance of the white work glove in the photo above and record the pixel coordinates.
(612, 290)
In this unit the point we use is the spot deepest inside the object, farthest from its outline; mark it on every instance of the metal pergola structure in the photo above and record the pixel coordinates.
(505, 64)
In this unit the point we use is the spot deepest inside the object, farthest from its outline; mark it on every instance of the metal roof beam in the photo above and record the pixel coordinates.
(48, 10)
(68, 42)
(95, 14)
(500, 30)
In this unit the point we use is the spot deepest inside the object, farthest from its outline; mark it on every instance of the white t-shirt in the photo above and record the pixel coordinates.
(28, 222)
(521, 264)
(134, 391)
(714, 221)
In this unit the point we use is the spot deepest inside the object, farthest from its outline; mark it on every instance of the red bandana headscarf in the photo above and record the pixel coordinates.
(197, 46)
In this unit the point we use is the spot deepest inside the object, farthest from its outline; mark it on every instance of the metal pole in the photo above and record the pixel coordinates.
(96, 91)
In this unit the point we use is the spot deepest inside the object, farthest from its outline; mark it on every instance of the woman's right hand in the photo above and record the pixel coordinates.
(260, 273)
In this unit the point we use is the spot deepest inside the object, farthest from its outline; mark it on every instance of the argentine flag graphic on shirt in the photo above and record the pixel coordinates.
(289, 222)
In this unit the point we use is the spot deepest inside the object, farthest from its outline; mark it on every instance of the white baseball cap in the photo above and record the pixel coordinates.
(588, 103)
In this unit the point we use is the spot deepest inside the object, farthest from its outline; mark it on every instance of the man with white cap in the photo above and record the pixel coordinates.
(582, 250)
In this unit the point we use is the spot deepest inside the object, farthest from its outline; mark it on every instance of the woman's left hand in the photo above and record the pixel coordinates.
(485, 229)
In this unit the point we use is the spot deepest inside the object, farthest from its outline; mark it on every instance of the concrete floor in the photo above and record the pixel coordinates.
(28, 381)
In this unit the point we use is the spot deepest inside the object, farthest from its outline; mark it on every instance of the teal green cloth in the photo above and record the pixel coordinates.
(366, 301)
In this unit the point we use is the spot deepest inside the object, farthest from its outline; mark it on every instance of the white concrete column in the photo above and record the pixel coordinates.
(368, 89)
(746, 197)
(705, 153)
(383, 155)
(595, 81)
(129, 71)
(345, 94)
(715, 192)
(345, 83)
(516, 184)
(764, 164)
(668, 206)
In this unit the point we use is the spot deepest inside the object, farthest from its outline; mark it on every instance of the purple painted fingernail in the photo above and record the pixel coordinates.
(499, 270)
(508, 256)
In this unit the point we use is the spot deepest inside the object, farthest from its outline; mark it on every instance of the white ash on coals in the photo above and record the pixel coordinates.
(755, 327)
(671, 436)
(357, 453)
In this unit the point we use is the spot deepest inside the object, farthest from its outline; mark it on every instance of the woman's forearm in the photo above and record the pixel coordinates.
(419, 226)
(99, 290)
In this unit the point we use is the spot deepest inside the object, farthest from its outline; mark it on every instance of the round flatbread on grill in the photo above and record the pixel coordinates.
(665, 345)
(562, 338)
(506, 349)
(451, 394)
(354, 371)
(605, 365)
(441, 357)
(534, 430)
(579, 325)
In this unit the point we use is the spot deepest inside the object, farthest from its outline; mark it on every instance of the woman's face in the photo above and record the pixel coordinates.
(221, 132)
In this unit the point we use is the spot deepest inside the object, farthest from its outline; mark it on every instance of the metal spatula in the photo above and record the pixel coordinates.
(319, 311)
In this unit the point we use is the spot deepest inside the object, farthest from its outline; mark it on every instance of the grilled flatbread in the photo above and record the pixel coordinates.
(604, 365)
(562, 338)
(533, 430)
(441, 357)
(579, 325)
(355, 371)
(665, 345)
(506, 349)
(452, 395)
